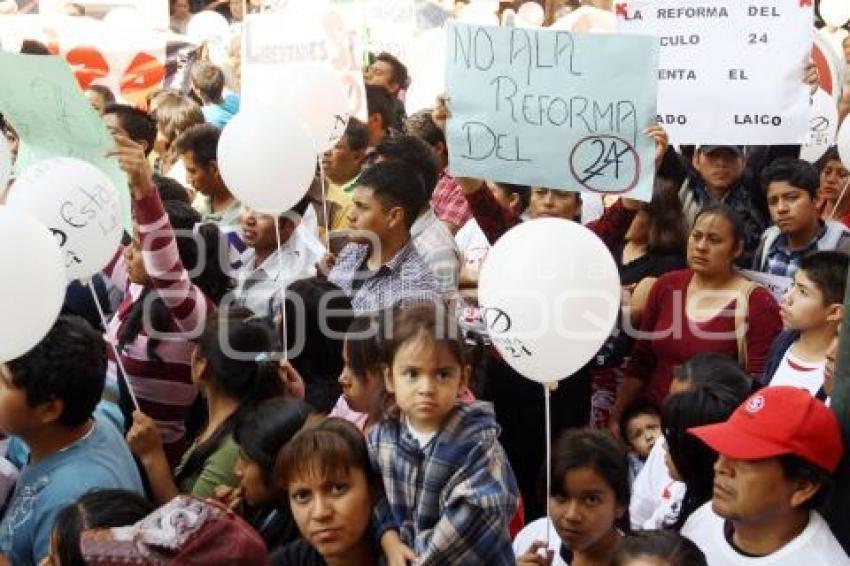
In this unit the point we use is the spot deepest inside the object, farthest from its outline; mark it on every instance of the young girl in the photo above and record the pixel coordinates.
(450, 491)
(659, 548)
(234, 380)
(362, 373)
(588, 504)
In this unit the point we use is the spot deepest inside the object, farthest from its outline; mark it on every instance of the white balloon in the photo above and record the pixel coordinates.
(316, 95)
(842, 140)
(549, 307)
(122, 17)
(267, 158)
(531, 13)
(835, 13)
(5, 163)
(33, 288)
(207, 25)
(79, 204)
(823, 124)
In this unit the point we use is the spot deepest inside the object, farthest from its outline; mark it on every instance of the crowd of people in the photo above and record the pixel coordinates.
(320, 387)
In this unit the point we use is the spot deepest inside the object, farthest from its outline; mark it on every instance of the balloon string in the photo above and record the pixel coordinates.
(122, 373)
(282, 289)
(546, 394)
(839, 199)
(325, 205)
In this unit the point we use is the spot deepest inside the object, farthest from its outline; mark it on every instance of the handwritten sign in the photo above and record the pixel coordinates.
(778, 285)
(552, 109)
(305, 31)
(53, 118)
(823, 125)
(730, 72)
(390, 26)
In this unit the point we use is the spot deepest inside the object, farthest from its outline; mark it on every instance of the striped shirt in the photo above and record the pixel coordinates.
(163, 387)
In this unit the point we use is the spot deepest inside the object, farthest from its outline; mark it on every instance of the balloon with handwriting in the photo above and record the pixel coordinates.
(267, 158)
(842, 140)
(835, 13)
(550, 294)
(33, 286)
(315, 94)
(79, 204)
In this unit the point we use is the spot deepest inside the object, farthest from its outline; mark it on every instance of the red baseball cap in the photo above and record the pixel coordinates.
(776, 421)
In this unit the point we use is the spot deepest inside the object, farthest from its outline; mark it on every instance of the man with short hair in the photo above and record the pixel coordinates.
(387, 71)
(380, 108)
(381, 266)
(208, 85)
(198, 148)
(791, 187)
(777, 453)
(448, 201)
(342, 165)
(47, 400)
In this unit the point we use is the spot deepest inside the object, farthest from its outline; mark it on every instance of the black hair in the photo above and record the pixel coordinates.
(727, 213)
(233, 344)
(636, 409)
(33, 47)
(101, 509)
(363, 351)
(414, 152)
(796, 468)
(170, 189)
(317, 314)
(830, 155)
(212, 280)
(588, 448)
(202, 141)
(828, 271)
(104, 91)
(522, 191)
(717, 370)
(357, 135)
(69, 364)
(396, 183)
(704, 404)
(422, 125)
(669, 546)
(380, 101)
(265, 430)
(667, 229)
(298, 208)
(140, 127)
(208, 80)
(796, 172)
(400, 76)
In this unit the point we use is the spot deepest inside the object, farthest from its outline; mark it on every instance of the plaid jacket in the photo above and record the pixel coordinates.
(452, 501)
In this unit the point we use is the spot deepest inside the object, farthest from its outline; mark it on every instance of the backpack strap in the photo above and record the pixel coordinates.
(741, 307)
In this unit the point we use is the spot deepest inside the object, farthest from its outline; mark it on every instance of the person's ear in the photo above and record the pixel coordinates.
(212, 168)
(835, 312)
(359, 156)
(395, 217)
(198, 365)
(620, 511)
(739, 250)
(388, 379)
(465, 379)
(805, 490)
(50, 411)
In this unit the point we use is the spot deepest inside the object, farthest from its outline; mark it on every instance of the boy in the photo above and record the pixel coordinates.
(47, 398)
(641, 425)
(811, 312)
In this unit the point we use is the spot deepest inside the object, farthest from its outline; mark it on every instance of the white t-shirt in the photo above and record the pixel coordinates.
(799, 373)
(815, 546)
(536, 530)
(656, 497)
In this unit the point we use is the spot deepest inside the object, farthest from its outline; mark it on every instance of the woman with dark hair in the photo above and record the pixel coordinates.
(833, 200)
(318, 314)
(708, 307)
(362, 372)
(326, 474)
(658, 548)
(260, 436)
(231, 367)
(656, 495)
(690, 460)
(170, 290)
(96, 510)
(589, 503)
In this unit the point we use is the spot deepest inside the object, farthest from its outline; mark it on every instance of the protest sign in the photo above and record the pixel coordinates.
(304, 31)
(54, 119)
(730, 72)
(778, 285)
(390, 26)
(823, 125)
(552, 109)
